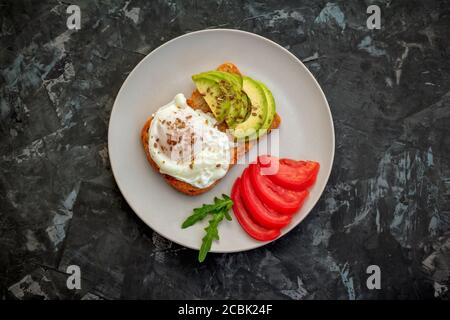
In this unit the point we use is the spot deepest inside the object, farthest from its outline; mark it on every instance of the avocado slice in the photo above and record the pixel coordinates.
(239, 102)
(238, 111)
(231, 85)
(258, 112)
(215, 95)
(240, 106)
(271, 106)
(234, 79)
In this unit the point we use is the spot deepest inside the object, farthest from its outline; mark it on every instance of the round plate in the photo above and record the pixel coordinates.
(306, 130)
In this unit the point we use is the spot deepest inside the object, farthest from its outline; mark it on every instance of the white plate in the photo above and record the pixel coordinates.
(306, 130)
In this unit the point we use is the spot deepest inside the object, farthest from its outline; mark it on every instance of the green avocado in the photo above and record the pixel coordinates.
(234, 79)
(259, 108)
(215, 95)
(271, 109)
(238, 111)
(231, 86)
(245, 104)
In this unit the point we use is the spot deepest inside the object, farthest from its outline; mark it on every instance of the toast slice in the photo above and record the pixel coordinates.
(196, 101)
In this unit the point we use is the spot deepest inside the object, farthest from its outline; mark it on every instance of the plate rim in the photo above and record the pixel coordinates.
(270, 42)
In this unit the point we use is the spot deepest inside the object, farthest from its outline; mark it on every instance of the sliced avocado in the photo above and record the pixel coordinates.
(238, 111)
(235, 79)
(243, 113)
(270, 104)
(258, 112)
(239, 103)
(231, 85)
(215, 95)
(240, 106)
(245, 104)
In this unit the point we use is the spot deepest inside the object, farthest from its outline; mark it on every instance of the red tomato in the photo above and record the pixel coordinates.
(253, 229)
(265, 160)
(276, 197)
(260, 213)
(292, 174)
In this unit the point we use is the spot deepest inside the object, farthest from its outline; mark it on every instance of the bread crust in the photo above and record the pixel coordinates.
(197, 102)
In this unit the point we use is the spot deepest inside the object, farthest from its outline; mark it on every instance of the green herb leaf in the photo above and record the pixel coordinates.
(219, 210)
(226, 211)
(200, 213)
(192, 219)
(227, 215)
(212, 233)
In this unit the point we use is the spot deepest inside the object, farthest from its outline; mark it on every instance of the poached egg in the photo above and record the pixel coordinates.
(186, 145)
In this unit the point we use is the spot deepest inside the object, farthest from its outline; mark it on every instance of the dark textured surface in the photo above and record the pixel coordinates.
(387, 201)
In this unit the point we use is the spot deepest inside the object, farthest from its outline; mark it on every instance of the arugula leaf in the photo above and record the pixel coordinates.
(212, 233)
(200, 213)
(219, 210)
(227, 214)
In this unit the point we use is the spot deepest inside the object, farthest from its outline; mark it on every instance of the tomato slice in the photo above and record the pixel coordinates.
(260, 212)
(292, 174)
(265, 160)
(253, 229)
(276, 197)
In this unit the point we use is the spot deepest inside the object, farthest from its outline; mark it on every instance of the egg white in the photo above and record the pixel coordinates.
(186, 145)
